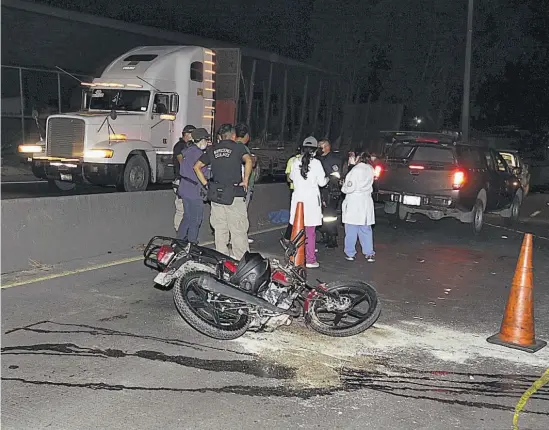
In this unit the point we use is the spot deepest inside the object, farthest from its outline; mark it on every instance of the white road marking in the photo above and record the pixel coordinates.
(22, 182)
(536, 213)
(515, 231)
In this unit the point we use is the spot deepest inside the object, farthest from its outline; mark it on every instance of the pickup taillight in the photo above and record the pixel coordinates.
(378, 170)
(458, 179)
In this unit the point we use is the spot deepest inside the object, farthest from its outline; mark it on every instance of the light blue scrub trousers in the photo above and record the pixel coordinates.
(364, 235)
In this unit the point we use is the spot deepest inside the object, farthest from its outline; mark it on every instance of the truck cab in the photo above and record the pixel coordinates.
(131, 117)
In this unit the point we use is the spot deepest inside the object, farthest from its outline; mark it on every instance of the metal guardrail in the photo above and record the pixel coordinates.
(27, 89)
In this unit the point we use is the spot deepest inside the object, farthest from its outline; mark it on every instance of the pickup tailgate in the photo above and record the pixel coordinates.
(425, 170)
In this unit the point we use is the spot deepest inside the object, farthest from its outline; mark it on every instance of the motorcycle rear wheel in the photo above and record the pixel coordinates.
(358, 292)
(207, 318)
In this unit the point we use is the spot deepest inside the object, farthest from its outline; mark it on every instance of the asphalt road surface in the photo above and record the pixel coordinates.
(103, 349)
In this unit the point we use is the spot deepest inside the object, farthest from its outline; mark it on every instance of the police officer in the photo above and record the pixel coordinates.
(190, 189)
(184, 141)
(242, 132)
(227, 190)
(331, 194)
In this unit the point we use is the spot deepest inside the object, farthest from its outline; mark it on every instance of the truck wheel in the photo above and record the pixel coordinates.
(515, 210)
(136, 174)
(56, 185)
(478, 217)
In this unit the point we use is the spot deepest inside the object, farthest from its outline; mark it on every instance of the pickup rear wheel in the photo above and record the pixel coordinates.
(136, 174)
(478, 217)
(515, 210)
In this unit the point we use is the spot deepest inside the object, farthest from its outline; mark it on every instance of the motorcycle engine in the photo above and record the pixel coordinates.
(277, 295)
(267, 320)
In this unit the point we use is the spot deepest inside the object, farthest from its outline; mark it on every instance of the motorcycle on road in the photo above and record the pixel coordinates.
(223, 298)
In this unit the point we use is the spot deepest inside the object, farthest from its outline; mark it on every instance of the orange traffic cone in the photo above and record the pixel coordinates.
(517, 327)
(299, 224)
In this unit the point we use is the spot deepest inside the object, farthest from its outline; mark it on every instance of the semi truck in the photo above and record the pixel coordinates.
(134, 113)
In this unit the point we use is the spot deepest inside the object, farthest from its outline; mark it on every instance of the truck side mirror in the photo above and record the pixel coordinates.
(174, 104)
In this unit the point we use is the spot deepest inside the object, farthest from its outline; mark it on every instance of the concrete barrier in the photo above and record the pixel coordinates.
(51, 230)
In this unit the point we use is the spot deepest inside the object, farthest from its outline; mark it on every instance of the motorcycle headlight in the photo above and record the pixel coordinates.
(329, 218)
(335, 175)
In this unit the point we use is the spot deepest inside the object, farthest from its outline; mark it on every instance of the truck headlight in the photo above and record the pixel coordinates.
(98, 153)
(30, 149)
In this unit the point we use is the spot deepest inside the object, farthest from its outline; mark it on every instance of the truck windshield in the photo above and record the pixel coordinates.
(123, 100)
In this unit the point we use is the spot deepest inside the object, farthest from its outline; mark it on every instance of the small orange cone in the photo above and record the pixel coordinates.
(299, 224)
(517, 327)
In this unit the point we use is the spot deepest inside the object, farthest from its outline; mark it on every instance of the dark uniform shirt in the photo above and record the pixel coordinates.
(331, 163)
(225, 159)
(177, 150)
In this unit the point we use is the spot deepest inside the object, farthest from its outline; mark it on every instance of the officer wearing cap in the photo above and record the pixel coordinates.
(190, 190)
(178, 148)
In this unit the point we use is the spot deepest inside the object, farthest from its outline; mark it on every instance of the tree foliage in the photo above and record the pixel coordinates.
(518, 95)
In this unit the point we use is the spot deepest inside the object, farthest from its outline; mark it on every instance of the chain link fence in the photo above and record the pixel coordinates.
(26, 89)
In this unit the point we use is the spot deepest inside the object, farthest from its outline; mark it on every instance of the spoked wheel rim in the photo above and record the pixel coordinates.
(213, 309)
(354, 307)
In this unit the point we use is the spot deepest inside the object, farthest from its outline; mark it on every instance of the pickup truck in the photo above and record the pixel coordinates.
(441, 180)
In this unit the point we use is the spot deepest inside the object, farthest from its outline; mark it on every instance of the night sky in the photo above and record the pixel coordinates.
(397, 50)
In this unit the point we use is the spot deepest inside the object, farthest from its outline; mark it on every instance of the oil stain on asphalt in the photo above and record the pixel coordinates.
(299, 375)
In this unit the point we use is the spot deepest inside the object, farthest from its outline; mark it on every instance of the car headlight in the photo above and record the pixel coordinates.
(98, 153)
(30, 149)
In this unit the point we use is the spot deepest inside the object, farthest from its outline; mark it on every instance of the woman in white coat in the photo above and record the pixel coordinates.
(307, 175)
(358, 207)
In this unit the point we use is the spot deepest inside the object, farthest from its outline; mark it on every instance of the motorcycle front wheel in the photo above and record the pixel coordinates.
(356, 309)
(216, 317)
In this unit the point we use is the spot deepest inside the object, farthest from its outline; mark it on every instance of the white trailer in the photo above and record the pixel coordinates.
(130, 120)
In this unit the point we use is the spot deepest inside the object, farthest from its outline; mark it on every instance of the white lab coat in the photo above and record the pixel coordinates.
(358, 206)
(308, 192)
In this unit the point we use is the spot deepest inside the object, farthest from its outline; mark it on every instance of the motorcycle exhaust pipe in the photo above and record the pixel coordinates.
(224, 288)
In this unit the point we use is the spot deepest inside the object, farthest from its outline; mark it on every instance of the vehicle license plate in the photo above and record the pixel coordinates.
(412, 200)
(66, 177)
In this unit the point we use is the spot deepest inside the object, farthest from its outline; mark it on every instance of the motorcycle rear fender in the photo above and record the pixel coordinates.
(172, 272)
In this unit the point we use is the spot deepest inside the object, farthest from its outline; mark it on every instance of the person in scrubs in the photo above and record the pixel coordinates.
(358, 207)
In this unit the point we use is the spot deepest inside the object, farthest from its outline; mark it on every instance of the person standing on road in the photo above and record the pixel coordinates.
(242, 133)
(288, 233)
(178, 148)
(191, 191)
(331, 194)
(307, 175)
(308, 142)
(227, 191)
(358, 207)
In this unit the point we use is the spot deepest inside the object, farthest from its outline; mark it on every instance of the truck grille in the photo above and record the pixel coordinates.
(65, 137)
